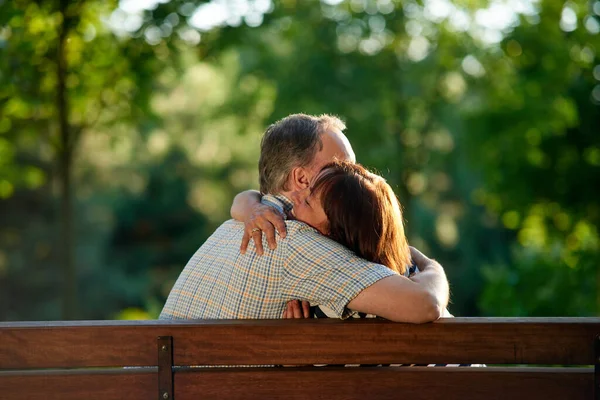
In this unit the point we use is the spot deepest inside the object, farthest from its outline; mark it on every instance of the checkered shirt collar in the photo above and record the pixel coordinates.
(280, 202)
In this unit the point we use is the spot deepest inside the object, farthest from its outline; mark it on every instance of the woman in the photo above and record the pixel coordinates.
(359, 210)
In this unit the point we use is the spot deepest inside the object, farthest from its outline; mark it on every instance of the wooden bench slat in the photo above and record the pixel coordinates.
(387, 383)
(89, 386)
(300, 383)
(255, 342)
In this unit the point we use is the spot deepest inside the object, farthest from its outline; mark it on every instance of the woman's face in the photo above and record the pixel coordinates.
(308, 209)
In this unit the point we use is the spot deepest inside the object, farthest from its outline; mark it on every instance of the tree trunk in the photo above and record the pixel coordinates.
(598, 291)
(65, 162)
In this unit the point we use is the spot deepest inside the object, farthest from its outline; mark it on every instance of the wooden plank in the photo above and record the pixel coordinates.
(88, 385)
(314, 383)
(567, 341)
(77, 344)
(414, 383)
(373, 342)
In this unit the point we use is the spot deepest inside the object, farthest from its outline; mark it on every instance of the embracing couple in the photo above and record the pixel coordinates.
(341, 249)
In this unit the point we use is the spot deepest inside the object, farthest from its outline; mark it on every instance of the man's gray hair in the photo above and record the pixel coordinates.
(290, 143)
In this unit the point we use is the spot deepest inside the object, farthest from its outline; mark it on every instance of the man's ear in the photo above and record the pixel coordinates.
(300, 178)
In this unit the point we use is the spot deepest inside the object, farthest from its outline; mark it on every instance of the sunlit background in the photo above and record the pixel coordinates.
(126, 129)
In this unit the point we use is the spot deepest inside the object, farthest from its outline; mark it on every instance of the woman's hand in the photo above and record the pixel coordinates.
(262, 218)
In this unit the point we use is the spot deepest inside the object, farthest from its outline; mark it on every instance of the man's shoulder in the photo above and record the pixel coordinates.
(297, 229)
(300, 234)
(297, 226)
(228, 228)
(230, 224)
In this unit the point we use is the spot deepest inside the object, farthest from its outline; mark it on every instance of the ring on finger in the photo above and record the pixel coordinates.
(255, 230)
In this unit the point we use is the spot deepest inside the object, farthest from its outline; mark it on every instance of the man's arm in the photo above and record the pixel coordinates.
(324, 272)
(432, 276)
(432, 279)
(422, 298)
(257, 218)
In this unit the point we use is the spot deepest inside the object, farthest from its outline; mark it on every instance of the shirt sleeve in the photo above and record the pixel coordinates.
(324, 272)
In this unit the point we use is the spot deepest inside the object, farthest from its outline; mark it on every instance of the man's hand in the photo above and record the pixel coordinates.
(420, 259)
(431, 276)
(293, 310)
(423, 262)
(262, 219)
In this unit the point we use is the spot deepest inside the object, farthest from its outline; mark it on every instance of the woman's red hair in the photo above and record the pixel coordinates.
(364, 214)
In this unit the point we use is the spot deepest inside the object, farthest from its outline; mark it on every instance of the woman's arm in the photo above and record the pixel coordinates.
(244, 203)
(257, 218)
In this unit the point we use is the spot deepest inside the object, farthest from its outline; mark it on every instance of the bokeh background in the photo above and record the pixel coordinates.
(126, 129)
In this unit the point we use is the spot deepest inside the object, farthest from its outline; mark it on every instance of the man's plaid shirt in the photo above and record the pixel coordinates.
(221, 283)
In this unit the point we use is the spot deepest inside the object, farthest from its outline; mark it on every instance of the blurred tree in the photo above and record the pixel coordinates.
(64, 75)
(539, 151)
(69, 79)
(483, 119)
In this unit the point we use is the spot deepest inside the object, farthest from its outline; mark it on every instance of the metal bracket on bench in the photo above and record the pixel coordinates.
(597, 368)
(165, 368)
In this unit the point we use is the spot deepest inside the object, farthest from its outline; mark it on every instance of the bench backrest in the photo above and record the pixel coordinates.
(85, 360)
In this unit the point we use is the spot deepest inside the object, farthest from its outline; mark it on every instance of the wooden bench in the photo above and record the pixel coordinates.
(85, 360)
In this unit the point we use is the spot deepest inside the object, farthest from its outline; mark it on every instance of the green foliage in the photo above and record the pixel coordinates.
(491, 144)
(539, 167)
(541, 285)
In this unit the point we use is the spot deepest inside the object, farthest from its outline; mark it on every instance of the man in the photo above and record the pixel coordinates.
(221, 282)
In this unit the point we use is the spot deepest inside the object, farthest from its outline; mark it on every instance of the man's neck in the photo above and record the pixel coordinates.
(287, 195)
(286, 203)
